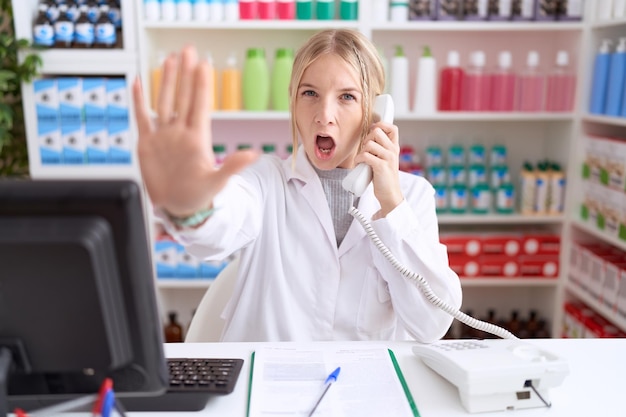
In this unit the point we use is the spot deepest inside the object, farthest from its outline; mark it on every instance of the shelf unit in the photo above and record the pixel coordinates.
(528, 136)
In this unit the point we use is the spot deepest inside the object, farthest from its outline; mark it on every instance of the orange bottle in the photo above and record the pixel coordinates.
(213, 81)
(156, 76)
(231, 86)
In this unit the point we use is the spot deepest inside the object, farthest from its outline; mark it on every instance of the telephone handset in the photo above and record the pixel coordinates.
(359, 178)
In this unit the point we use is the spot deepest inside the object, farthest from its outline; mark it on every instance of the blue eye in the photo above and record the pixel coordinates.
(347, 96)
(309, 93)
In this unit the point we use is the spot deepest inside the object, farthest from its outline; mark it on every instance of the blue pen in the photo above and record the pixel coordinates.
(329, 381)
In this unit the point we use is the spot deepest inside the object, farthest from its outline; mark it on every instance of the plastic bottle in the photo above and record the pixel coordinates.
(426, 86)
(231, 85)
(325, 9)
(43, 31)
(200, 10)
(399, 10)
(104, 29)
(380, 11)
(503, 81)
(561, 85)
(528, 183)
(63, 29)
(281, 76)
(604, 9)
(84, 32)
(531, 85)
(617, 72)
(248, 9)
(216, 11)
(168, 10)
(400, 81)
(286, 9)
(600, 79)
(256, 81)
(173, 330)
(349, 9)
(152, 10)
(156, 76)
(213, 81)
(267, 9)
(304, 9)
(183, 10)
(619, 9)
(476, 91)
(231, 10)
(556, 190)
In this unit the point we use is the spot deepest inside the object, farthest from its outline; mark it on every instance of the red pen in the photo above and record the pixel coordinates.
(106, 386)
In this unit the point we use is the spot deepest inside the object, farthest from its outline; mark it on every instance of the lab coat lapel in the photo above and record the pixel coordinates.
(368, 205)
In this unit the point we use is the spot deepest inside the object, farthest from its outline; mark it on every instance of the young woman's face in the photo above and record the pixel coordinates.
(328, 112)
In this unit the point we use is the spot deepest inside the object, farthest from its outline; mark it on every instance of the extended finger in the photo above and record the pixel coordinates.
(188, 63)
(142, 115)
(199, 115)
(165, 105)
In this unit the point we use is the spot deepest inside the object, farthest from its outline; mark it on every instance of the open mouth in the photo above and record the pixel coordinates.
(325, 146)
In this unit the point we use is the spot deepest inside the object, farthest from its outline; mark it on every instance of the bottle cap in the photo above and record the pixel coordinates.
(256, 53)
(562, 58)
(454, 59)
(621, 46)
(533, 59)
(427, 52)
(605, 47)
(478, 58)
(284, 53)
(399, 51)
(231, 61)
(505, 59)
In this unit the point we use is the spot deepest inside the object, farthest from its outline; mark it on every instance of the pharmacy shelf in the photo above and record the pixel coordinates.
(38, 171)
(599, 234)
(608, 313)
(509, 282)
(298, 25)
(164, 283)
(606, 120)
(88, 62)
(433, 26)
(608, 23)
(502, 219)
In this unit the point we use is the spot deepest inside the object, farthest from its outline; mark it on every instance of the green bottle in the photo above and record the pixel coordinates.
(325, 9)
(304, 9)
(256, 81)
(281, 75)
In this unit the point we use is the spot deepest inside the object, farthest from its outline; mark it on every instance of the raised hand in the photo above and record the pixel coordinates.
(175, 150)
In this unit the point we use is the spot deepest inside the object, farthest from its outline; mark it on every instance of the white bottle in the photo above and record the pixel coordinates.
(183, 10)
(152, 10)
(400, 81)
(619, 9)
(216, 10)
(426, 86)
(399, 10)
(380, 11)
(168, 10)
(231, 10)
(200, 10)
(385, 63)
(604, 10)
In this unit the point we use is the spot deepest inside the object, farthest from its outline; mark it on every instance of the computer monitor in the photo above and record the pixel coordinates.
(77, 295)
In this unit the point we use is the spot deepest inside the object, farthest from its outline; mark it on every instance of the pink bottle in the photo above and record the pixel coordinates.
(561, 85)
(286, 9)
(531, 86)
(267, 9)
(248, 9)
(503, 81)
(476, 91)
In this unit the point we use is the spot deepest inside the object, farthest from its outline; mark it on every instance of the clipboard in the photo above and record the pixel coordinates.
(285, 381)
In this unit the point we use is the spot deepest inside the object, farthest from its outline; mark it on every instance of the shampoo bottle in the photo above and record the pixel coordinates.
(216, 10)
(325, 9)
(476, 91)
(213, 78)
(281, 75)
(451, 84)
(348, 9)
(286, 9)
(531, 85)
(503, 82)
(426, 86)
(200, 10)
(231, 85)
(600, 79)
(155, 80)
(617, 72)
(267, 9)
(256, 81)
(248, 9)
(400, 81)
(304, 9)
(561, 85)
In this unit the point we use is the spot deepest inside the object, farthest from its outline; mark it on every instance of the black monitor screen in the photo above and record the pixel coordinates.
(77, 296)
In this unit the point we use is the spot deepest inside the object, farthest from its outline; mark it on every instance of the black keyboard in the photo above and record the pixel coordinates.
(192, 382)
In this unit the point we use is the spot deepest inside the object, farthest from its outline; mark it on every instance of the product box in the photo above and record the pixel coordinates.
(117, 101)
(50, 146)
(70, 90)
(188, 266)
(465, 266)
(614, 274)
(501, 244)
(166, 258)
(97, 142)
(120, 149)
(574, 317)
(73, 140)
(539, 266)
(46, 100)
(422, 9)
(575, 252)
(449, 9)
(95, 100)
(523, 10)
(475, 10)
(546, 9)
(462, 244)
(598, 271)
(541, 244)
(597, 326)
(620, 300)
(500, 10)
(570, 10)
(498, 266)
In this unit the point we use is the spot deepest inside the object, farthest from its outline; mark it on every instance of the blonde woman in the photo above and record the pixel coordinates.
(307, 270)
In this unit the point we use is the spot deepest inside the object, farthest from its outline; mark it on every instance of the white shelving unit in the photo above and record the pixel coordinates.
(528, 136)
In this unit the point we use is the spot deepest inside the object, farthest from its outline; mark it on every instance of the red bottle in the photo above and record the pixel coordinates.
(476, 94)
(451, 84)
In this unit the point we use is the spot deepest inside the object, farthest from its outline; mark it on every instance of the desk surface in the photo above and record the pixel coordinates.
(594, 386)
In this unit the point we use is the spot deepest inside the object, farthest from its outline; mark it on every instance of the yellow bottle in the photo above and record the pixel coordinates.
(156, 76)
(231, 86)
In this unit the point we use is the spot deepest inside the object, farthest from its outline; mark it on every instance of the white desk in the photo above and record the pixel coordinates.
(594, 387)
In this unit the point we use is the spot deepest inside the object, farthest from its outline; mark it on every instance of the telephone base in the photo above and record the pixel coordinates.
(495, 374)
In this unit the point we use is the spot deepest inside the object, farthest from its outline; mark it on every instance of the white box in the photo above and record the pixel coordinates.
(73, 140)
(50, 146)
(95, 100)
(120, 146)
(70, 91)
(97, 142)
(46, 100)
(117, 100)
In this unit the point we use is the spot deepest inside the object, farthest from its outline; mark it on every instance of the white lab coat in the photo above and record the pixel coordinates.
(294, 284)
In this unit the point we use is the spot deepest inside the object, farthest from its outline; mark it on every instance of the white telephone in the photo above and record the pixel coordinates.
(491, 374)
(495, 374)
(359, 178)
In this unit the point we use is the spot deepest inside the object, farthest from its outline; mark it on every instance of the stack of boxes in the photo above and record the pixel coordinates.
(511, 255)
(83, 120)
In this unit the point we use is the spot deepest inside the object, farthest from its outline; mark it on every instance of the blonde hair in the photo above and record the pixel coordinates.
(356, 50)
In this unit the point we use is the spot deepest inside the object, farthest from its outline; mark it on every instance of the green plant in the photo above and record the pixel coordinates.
(13, 71)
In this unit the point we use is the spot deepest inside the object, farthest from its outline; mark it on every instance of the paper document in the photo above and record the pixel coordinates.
(287, 382)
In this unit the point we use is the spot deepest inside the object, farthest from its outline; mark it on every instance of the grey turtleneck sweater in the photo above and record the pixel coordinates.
(338, 200)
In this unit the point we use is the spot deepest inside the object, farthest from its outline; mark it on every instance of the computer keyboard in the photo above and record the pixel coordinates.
(192, 382)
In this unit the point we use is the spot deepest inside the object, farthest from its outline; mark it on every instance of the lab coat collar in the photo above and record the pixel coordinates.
(305, 176)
